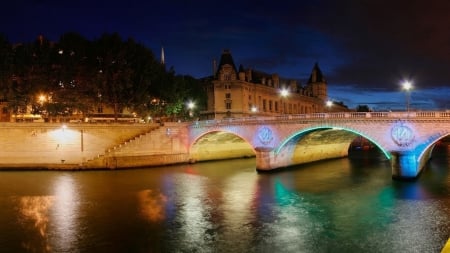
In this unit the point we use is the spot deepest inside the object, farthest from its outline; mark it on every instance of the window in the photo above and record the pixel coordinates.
(227, 95)
(270, 105)
(228, 105)
(264, 105)
(100, 109)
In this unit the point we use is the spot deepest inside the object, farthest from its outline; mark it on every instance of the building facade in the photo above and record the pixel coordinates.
(238, 92)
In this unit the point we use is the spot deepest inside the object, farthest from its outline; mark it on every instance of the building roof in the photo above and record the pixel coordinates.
(316, 75)
(226, 58)
(257, 76)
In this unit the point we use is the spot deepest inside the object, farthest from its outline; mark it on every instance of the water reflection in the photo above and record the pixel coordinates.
(50, 222)
(151, 205)
(295, 214)
(240, 207)
(65, 213)
(192, 209)
(34, 217)
(343, 205)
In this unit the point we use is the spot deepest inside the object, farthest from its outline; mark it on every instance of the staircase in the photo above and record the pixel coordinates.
(98, 161)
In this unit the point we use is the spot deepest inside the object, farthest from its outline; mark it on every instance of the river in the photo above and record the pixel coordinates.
(341, 205)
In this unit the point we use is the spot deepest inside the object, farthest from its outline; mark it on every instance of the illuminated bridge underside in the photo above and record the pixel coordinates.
(307, 147)
(314, 146)
(220, 145)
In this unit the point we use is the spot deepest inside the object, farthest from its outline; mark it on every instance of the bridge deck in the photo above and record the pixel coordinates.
(340, 116)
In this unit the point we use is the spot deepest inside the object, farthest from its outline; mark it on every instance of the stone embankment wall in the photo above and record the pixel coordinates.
(91, 146)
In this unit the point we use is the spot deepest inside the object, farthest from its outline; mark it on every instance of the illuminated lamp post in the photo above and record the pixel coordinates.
(407, 86)
(41, 99)
(284, 93)
(190, 106)
(329, 104)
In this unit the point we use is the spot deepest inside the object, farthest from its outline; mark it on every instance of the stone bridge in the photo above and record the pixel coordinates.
(406, 139)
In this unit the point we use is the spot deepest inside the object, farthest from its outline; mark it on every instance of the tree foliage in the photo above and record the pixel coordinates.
(78, 75)
(362, 108)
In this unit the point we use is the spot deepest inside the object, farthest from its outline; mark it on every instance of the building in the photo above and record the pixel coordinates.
(238, 92)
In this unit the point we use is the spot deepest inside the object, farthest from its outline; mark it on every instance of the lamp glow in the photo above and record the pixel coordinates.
(284, 93)
(407, 86)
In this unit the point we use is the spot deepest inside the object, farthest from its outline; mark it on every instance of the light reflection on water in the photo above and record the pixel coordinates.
(344, 205)
(33, 217)
(151, 205)
(65, 213)
(50, 220)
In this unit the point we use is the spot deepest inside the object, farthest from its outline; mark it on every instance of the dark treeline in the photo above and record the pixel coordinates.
(74, 74)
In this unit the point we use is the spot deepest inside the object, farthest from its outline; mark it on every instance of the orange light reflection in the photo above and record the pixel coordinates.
(151, 205)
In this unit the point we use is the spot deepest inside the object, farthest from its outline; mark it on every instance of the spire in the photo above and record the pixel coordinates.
(316, 75)
(225, 59)
(163, 62)
(214, 67)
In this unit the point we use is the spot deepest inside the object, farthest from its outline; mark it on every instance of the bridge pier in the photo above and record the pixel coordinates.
(404, 165)
(264, 158)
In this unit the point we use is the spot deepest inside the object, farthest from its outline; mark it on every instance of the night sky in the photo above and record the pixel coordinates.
(364, 48)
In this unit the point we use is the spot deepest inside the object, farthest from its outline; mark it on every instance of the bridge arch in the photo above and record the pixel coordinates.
(309, 130)
(218, 144)
(425, 150)
(318, 143)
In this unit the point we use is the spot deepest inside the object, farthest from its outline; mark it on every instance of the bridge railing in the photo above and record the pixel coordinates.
(436, 115)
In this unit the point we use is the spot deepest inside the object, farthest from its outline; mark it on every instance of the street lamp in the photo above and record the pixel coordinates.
(284, 93)
(407, 86)
(42, 99)
(329, 103)
(190, 106)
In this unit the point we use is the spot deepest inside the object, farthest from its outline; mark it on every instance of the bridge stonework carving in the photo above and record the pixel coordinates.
(406, 139)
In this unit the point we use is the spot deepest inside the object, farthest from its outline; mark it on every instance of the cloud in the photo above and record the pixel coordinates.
(384, 100)
(387, 41)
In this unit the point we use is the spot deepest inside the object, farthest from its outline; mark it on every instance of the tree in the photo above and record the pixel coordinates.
(145, 72)
(17, 90)
(112, 71)
(72, 84)
(74, 74)
(362, 108)
(6, 60)
(30, 72)
(124, 72)
(195, 92)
